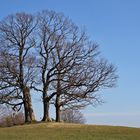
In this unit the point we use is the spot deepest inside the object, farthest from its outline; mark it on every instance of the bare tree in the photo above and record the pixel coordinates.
(77, 84)
(56, 33)
(9, 117)
(71, 69)
(72, 116)
(16, 74)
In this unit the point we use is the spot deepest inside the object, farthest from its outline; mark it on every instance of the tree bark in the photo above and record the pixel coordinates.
(28, 109)
(58, 119)
(46, 110)
(26, 114)
(57, 102)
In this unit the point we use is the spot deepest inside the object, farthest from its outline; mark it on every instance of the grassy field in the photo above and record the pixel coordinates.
(56, 131)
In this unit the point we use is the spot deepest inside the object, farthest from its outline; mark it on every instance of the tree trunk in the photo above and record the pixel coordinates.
(26, 115)
(46, 110)
(28, 109)
(57, 101)
(57, 110)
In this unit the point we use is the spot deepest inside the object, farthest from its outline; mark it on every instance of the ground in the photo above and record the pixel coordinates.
(61, 131)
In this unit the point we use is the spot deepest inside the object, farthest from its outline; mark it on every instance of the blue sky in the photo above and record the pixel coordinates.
(115, 26)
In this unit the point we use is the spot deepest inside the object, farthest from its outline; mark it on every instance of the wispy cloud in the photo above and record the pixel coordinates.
(117, 114)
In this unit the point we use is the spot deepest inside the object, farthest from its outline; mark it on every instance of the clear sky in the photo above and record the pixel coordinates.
(115, 26)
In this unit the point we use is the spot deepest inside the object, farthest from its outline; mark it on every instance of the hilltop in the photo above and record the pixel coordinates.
(61, 131)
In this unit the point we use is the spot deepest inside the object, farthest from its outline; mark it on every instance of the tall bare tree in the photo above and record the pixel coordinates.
(16, 74)
(78, 82)
(70, 66)
(55, 32)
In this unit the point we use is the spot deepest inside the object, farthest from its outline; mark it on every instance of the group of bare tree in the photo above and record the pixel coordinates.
(48, 53)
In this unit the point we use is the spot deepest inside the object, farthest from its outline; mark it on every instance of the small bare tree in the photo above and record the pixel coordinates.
(72, 116)
(9, 117)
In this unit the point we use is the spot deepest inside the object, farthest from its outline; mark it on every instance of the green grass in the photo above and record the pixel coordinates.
(60, 131)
